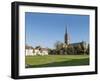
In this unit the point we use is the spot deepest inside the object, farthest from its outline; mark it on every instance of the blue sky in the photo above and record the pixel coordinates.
(45, 29)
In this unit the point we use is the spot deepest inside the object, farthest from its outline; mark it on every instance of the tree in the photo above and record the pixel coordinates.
(59, 47)
(38, 47)
(70, 50)
(65, 51)
(78, 49)
(88, 49)
(49, 51)
(84, 47)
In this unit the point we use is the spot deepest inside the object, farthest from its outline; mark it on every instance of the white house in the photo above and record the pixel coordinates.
(40, 51)
(30, 51)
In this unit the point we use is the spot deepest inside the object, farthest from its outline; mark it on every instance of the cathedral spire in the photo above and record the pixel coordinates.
(66, 30)
(66, 36)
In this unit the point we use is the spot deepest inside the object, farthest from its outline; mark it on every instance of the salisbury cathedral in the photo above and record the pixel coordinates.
(67, 41)
(71, 48)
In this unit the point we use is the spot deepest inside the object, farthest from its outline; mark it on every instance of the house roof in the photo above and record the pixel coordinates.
(44, 49)
(28, 47)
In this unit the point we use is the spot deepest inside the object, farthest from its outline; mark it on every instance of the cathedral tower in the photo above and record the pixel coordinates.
(66, 38)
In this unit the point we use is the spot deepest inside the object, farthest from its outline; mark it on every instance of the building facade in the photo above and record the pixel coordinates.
(30, 51)
(76, 44)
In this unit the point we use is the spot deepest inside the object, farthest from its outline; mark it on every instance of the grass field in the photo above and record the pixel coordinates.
(56, 60)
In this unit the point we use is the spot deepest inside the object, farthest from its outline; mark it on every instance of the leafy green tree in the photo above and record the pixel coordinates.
(59, 47)
(78, 49)
(38, 47)
(70, 50)
(88, 50)
(84, 47)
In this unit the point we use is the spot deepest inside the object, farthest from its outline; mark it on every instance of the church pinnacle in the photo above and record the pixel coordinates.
(66, 37)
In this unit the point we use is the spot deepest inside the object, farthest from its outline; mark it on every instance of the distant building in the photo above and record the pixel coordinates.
(30, 51)
(40, 51)
(83, 43)
(67, 41)
(67, 38)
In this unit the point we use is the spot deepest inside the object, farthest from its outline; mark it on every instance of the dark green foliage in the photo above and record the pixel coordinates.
(63, 49)
(87, 51)
(70, 50)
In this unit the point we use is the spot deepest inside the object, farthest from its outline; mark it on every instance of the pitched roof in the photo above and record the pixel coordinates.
(78, 43)
(28, 47)
(44, 49)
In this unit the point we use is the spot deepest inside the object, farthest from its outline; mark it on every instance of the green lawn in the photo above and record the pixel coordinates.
(56, 60)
